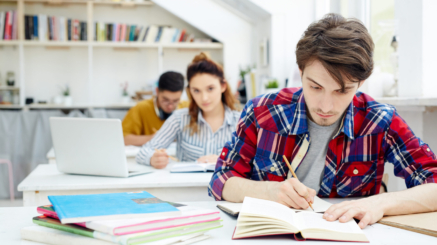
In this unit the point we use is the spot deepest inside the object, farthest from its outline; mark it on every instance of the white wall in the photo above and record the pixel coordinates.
(289, 20)
(221, 24)
(429, 48)
(417, 49)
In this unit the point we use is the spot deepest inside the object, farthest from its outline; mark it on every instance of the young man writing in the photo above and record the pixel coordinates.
(336, 139)
(144, 119)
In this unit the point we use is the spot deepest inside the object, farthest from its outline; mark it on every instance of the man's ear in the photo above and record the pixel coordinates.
(156, 91)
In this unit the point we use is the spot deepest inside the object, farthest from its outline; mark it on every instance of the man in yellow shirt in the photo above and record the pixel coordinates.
(144, 119)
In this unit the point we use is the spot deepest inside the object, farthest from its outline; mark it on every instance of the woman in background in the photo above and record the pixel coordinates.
(202, 129)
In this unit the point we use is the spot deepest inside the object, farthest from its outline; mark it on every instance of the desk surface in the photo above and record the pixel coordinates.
(13, 219)
(47, 177)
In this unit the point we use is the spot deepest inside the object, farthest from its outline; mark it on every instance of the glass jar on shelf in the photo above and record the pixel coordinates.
(10, 78)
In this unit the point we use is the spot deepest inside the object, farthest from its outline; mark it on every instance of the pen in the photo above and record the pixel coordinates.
(294, 175)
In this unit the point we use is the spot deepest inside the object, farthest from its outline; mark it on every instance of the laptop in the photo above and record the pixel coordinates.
(90, 146)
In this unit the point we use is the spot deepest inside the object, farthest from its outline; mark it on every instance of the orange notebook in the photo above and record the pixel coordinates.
(265, 218)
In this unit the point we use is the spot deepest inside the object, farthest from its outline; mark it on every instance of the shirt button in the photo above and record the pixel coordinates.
(272, 169)
(428, 150)
(355, 171)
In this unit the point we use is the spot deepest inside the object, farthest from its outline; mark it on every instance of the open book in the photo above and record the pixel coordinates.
(263, 218)
(189, 167)
(234, 209)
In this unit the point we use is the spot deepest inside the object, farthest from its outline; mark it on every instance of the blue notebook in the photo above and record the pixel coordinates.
(126, 205)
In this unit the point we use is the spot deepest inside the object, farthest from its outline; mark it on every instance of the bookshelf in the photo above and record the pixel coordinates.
(89, 57)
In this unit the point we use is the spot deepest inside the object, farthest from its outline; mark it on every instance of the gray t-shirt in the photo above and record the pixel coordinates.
(310, 171)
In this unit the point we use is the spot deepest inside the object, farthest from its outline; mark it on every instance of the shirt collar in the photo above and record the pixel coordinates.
(228, 116)
(300, 124)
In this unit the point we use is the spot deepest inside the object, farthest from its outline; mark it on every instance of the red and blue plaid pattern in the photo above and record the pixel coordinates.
(370, 135)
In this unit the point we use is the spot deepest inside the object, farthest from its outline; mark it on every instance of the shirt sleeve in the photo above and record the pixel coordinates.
(132, 123)
(163, 138)
(413, 160)
(236, 158)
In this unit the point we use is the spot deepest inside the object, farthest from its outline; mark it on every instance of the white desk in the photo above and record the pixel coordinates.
(46, 180)
(13, 219)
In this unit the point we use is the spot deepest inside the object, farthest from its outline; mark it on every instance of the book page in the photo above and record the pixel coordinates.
(270, 209)
(308, 220)
(319, 205)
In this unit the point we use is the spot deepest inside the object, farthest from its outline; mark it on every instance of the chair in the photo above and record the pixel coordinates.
(11, 178)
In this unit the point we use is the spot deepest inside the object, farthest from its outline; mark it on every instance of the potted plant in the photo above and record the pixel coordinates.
(272, 86)
(68, 100)
(124, 95)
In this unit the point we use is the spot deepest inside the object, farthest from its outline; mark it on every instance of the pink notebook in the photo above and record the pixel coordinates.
(189, 215)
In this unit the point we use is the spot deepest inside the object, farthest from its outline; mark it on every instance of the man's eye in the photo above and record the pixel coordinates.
(316, 88)
(342, 92)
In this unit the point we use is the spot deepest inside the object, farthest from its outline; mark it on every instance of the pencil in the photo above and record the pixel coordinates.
(294, 175)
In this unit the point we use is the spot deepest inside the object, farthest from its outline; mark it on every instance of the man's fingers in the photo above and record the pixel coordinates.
(298, 199)
(365, 220)
(300, 188)
(350, 213)
(334, 207)
(311, 194)
(286, 200)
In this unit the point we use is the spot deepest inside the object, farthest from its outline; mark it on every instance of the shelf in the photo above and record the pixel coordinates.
(29, 43)
(9, 43)
(156, 45)
(10, 106)
(399, 101)
(11, 88)
(120, 3)
(63, 107)
(56, 43)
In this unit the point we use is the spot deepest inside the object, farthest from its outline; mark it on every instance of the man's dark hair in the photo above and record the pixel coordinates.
(171, 81)
(343, 46)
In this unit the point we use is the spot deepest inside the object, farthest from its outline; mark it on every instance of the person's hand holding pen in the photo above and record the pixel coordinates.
(292, 193)
(159, 159)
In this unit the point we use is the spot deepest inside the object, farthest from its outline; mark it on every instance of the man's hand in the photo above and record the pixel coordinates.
(368, 211)
(159, 159)
(291, 193)
(208, 159)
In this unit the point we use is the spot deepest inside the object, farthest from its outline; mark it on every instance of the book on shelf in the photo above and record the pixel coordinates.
(134, 238)
(189, 215)
(53, 28)
(2, 25)
(93, 207)
(265, 218)
(8, 25)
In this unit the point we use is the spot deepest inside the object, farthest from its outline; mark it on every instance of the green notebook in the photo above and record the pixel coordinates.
(131, 239)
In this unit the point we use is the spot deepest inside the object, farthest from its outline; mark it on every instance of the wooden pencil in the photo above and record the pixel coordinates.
(294, 175)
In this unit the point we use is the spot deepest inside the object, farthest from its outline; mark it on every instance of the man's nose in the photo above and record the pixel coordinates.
(326, 104)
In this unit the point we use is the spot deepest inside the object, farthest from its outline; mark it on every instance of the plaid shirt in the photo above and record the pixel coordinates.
(370, 134)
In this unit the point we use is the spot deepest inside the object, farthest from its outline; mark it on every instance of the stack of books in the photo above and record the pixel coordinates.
(120, 218)
(43, 28)
(8, 25)
(137, 33)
